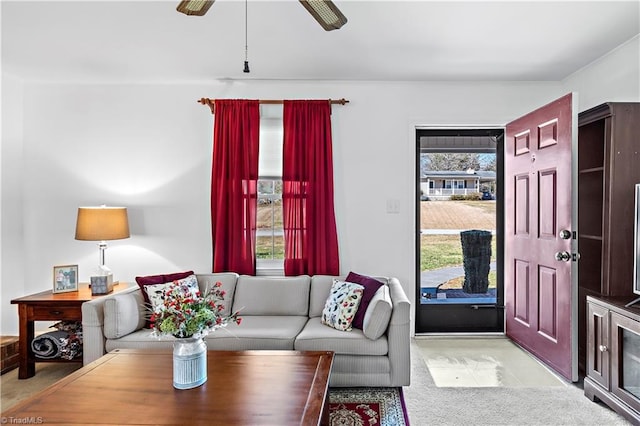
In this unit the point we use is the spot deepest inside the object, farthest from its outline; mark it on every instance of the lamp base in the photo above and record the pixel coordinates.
(102, 284)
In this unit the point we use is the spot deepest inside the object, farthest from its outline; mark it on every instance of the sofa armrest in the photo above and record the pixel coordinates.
(93, 339)
(399, 335)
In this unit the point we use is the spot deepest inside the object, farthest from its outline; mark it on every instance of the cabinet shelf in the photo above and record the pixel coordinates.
(592, 170)
(590, 237)
(38, 359)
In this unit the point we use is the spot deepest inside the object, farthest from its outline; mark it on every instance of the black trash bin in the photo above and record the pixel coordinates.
(476, 258)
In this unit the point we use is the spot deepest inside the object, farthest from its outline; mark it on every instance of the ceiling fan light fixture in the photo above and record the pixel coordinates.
(326, 13)
(194, 7)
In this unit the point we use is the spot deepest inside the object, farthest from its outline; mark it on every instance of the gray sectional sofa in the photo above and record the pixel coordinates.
(278, 313)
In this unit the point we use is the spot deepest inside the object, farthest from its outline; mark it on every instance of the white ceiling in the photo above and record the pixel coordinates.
(383, 40)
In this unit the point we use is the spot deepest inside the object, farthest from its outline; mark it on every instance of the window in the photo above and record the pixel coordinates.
(270, 232)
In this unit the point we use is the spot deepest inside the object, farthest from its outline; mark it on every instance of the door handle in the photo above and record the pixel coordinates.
(563, 256)
(565, 234)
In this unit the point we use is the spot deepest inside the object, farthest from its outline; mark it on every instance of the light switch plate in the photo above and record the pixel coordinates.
(393, 205)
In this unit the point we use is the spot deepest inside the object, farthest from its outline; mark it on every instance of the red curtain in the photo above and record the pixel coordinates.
(310, 238)
(234, 181)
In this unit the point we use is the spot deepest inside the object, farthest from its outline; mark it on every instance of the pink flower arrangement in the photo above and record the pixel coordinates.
(186, 313)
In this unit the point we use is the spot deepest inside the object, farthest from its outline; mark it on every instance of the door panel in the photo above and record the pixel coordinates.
(540, 290)
(521, 289)
(547, 324)
(522, 200)
(547, 206)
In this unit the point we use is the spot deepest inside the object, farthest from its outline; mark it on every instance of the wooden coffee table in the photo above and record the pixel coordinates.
(129, 387)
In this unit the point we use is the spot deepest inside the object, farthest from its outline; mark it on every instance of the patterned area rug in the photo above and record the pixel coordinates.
(367, 407)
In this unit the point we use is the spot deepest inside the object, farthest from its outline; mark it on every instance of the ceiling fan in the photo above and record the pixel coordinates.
(324, 11)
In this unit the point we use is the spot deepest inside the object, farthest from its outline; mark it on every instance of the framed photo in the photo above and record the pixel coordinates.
(65, 278)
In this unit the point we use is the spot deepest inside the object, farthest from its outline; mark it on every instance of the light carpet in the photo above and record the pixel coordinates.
(14, 390)
(428, 404)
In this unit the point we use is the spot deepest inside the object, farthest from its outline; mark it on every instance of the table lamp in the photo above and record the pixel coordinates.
(102, 224)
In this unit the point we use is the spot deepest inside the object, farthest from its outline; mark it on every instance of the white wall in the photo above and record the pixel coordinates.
(148, 147)
(12, 278)
(613, 78)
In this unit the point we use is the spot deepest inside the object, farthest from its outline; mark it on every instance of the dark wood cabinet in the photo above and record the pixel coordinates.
(598, 343)
(608, 169)
(613, 355)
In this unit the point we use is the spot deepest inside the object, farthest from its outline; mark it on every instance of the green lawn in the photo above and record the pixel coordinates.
(441, 251)
(268, 249)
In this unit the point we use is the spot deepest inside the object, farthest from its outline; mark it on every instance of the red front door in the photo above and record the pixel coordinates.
(540, 294)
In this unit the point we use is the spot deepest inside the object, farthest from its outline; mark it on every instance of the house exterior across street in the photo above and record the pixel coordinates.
(442, 184)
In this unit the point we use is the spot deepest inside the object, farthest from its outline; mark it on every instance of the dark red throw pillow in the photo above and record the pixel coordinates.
(371, 285)
(158, 279)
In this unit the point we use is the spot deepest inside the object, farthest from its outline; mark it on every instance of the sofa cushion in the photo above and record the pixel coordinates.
(320, 288)
(341, 305)
(258, 333)
(378, 314)
(123, 314)
(255, 333)
(140, 339)
(316, 336)
(228, 281)
(371, 285)
(272, 295)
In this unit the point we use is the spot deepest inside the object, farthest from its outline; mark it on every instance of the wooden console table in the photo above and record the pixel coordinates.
(49, 306)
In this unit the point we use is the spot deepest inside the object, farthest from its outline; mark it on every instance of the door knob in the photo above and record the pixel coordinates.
(565, 234)
(563, 255)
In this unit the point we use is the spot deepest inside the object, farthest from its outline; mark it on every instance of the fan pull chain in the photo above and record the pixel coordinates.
(246, 48)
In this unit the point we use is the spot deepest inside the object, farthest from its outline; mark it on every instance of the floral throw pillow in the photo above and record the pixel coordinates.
(155, 292)
(342, 305)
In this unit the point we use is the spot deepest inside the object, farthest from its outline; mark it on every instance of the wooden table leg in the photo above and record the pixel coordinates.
(27, 367)
(324, 418)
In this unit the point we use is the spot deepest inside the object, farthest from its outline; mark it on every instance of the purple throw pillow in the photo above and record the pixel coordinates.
(371, 285)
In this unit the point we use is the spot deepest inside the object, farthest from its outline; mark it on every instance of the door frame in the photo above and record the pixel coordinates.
(451, 318)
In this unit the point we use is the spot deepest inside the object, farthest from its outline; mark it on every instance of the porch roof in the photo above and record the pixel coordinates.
(482, 175)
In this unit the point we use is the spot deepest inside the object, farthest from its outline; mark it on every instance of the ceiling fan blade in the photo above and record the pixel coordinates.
(326, 13)
(194, 7)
